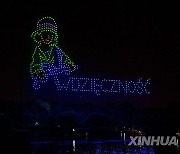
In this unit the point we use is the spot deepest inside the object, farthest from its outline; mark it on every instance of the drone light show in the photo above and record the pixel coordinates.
(49, 61)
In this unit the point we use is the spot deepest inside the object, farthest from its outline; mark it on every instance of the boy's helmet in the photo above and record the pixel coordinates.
(46, 24)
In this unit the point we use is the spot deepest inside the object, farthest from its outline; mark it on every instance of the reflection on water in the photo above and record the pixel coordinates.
(74, 145)
(89, 147)
(19, 142)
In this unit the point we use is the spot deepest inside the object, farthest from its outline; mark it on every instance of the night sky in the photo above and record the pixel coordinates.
(109, 40)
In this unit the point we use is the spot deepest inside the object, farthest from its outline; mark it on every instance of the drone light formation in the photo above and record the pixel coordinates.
(49, 61)
(100, 86)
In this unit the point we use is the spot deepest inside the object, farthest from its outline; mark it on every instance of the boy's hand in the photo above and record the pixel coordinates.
(41, 74)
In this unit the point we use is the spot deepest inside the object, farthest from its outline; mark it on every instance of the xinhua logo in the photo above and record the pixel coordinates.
(152, 140)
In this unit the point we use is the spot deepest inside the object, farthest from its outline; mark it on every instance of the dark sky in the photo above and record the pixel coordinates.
(111, 40)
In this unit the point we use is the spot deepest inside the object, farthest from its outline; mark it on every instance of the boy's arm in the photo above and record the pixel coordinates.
(35, 66)
(68, 62)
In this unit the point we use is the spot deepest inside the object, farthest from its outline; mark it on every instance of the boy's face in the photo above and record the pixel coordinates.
(46, 38)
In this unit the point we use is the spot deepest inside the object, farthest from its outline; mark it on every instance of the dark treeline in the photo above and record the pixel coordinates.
(27, 115)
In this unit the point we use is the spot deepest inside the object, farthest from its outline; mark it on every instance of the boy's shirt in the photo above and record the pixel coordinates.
(53, 58)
